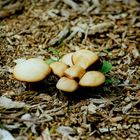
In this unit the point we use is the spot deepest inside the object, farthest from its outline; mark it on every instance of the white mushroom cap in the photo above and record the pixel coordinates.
(74, 71)
(92, 79)
(66, 84)
(31, 70)
(84, 58)
(67, 59)
(58, 68)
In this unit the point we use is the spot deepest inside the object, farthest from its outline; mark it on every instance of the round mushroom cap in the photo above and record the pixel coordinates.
(92, 79)
(74, 71)
(58, 68)
(31, 70)
(84, 58)
(67, 59)
(66, 84)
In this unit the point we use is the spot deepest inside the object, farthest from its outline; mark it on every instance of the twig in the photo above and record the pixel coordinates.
(17, 119)
(72, 4)
(10, 9)
(55, 109)
(100, 28)
(60, 36)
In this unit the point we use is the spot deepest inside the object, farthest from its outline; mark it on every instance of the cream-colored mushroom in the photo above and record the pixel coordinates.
(31, 70)
(58, 68)
(74, 72)
(66, 84)
(92, 79)
(67, 59)
(84, 58)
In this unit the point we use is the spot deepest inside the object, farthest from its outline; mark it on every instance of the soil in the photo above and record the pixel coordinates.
(49, 29)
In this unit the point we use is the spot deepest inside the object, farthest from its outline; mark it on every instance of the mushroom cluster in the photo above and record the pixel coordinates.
(72, 69)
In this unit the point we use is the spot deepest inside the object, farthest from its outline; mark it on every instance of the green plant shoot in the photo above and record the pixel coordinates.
(106, 67)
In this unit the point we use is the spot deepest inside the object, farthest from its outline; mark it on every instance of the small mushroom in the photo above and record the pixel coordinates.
(84, 58)
(74, 72)
(66, 84)
(58, 68)
(31, 70)
(67, 59)
(92, 79)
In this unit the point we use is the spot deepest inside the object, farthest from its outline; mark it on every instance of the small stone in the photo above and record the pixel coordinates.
(92, 108)
(83, 108)
(27, 117)
(6, 135)
(80, 130)
(103, 130)
(136, 126)
(101, 105)
(65, 130)
(127, 99)
(126, 126)
(113, 129)
(126, 108)
(119, 126)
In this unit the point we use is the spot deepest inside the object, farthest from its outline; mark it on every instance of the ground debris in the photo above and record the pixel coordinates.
(59, 37)
(65, 130)
(104, 130)
(116, 119)
(8, 103)
(100, 28)
(10, 9)
(46, 134)
(126, 108)
(49, 29)
(72, 4)
(5, 135)
(92, 108)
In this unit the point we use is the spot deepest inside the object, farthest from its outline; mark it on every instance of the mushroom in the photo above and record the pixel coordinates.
(58, 68)
(84, 58)
(31, 70)
(92, 79)
(74, 72)
(66, 84)
(67, 59)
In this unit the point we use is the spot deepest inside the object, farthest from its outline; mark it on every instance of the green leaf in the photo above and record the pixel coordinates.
(106, 67)
(108, 81)
(49, 61)
(54, 51)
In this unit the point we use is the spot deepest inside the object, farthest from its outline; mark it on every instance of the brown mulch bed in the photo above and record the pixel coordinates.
(50, 29)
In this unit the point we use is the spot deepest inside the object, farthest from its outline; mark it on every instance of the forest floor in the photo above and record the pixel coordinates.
(50, 29)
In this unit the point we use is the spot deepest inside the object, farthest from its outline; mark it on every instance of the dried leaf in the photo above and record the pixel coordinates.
(8, 103)
(65, 130)
(126, 108)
